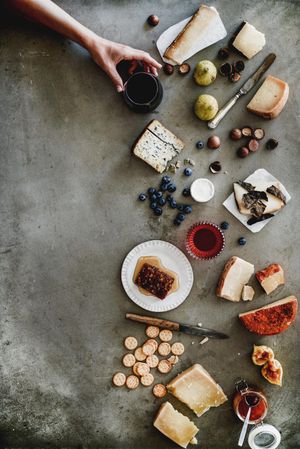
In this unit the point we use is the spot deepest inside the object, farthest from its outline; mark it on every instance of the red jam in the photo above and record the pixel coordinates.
(254, 399)
(205, 240)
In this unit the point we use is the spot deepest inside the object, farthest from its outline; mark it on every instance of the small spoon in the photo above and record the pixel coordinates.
(244, 429)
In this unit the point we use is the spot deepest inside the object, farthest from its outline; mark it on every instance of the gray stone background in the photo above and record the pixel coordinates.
(69, 216)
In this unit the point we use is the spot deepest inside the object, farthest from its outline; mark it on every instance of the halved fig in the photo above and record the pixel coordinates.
(262, 354)
(273, 372)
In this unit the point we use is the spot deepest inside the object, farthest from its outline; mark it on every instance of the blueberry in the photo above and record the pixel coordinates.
(166, 179)
(173, 204)
(200, 144)
(242, 241)
(142, 197)
(169, 197)
(151, 190)
(224, 225)
(187, 209)
(164, 187)
(158, 211)
(188, 171)
(161, 201)
(186, 192)
(159, 194)
(153, 197)
(180, 217)
(153, 206)
(171, 188)
(180, 207)
(177, 222)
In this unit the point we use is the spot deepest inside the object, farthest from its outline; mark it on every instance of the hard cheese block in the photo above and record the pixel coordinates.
(197, 389)
(270, 98)
(157, 146)
(271, 277)
(203, 29)
(235, 275)
(249, 41)
(174, 425)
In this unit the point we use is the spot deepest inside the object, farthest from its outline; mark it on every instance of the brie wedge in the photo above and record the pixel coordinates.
(270, 98)
(175, 426)
(234, 277)
(249, 41)
(197, 389)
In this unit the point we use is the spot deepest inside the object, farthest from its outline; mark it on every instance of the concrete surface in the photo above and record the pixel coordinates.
(69, 217)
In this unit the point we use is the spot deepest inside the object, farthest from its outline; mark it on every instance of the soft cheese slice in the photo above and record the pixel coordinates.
(236, 274)
(249, 41)
(270, 98)
(204, 29)
(175, 426)
(248, 293)
(273, 204)
(197, 389)
(271, 277)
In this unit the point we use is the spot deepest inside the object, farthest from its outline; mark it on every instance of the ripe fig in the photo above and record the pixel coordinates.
(273, 372)
(261, 354)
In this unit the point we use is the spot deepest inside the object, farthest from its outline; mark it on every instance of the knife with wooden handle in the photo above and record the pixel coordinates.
(251, 82)
(174, 326)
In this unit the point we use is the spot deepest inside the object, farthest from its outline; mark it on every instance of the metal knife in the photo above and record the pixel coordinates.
(172, 325)
(212, 124)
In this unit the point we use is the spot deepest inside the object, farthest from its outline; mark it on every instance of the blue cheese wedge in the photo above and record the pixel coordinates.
(197, 389)
(175, 425)
(157, 146)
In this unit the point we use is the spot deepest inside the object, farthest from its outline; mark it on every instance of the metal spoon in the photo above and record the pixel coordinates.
(244, 429)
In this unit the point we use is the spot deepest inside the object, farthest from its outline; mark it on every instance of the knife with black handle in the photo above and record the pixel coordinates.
(212, 124)
(172, 325)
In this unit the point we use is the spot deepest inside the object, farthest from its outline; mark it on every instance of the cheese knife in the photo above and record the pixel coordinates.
(251, 82)
(172, 325)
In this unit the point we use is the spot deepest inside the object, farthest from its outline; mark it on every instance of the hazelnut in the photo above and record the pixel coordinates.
(235, 134)
(238, 66)
(242, 152)
(153, 20)
(184, 68)
(247, 131)
(235, 77)
(168, 69)
(215, 167)
(271, 144)
(213, 142)
(253, 145)
(223, 53)
(225, 69)
(259, 133)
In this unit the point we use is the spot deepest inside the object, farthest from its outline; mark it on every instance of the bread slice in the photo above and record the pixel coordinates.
(157, 146)
(270, 98)
(273, 204)
(249, 41)
(235, 275)
(205, 28)
(271, 277)
(175, 425)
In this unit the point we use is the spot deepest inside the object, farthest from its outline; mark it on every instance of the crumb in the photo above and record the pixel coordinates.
(199, 324)
(205, 339)
(193, 342)
(239, 353)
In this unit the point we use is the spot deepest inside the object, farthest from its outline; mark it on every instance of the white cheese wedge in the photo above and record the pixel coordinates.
(197, 389)
(202, 30)
(247, 293)
(157, 146)
(249, 41)
(175, 426)
(273, 204)
(271, 277)
(236, 274)
(270, 98)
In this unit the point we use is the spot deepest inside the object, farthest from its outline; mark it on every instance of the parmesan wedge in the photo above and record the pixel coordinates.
(270, 98)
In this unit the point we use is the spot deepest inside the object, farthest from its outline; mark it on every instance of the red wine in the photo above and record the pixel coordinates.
(205, 240)
(141, 88)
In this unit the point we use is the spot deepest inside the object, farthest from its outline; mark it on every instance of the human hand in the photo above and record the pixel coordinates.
(108, 54)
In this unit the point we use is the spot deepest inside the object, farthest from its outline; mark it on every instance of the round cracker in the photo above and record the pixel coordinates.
(142, 369)
(134, 368)
(177, 348)
(147, 380)
(164, 366)
(152, 360)
(159, 390)
(165, 335)
(132, 382)
(152, 331)
(173, 359)
(128, 360)
(164, 348)
(149, 347)
(139, 355)
(130, 343)
(119, 379)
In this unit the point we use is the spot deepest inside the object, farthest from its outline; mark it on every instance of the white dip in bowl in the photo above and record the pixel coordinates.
(202, 190)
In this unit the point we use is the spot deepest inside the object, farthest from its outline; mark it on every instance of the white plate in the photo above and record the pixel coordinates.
(262, 175)
(173, 259)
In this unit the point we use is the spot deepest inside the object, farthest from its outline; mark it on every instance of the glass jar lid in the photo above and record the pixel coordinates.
(264, 436)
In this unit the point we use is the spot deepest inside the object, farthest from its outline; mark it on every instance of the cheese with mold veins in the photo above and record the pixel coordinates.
(175, 426)
(197, 389)
(249, 41)
(270, 98)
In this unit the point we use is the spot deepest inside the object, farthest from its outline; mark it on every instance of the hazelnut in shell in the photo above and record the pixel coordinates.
(235, 134)
(247, 131)
(259, 133)
(153, 20)
(242, 152)
(184, 68)
(168, 69)
(213, 142)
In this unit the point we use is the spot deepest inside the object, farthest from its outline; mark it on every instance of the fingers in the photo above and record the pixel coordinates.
(115, 77)
(149, 60)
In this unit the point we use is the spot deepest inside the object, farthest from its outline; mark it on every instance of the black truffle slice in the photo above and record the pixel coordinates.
(258, 209)
(276, 192)
(246, 185)
(254, 220)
